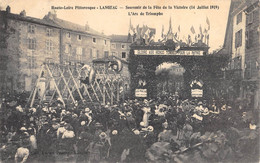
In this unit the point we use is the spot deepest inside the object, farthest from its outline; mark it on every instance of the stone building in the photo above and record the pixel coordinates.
(27, 43)
(79, 43)
(242, 44)
(120, 46)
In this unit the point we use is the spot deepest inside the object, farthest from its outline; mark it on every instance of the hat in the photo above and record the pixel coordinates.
(114, 132)
(87, 110)
(142, 124)
(200, 103)
(33, 110)
(136, 132)
(19, 108)
(82, 123)
(23, 129)
(102, 135)
(150, 128)
(128, 114)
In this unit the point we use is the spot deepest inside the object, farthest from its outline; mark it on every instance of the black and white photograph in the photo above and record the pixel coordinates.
(129, 81)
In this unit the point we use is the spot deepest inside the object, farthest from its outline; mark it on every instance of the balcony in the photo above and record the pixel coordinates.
(234, 74)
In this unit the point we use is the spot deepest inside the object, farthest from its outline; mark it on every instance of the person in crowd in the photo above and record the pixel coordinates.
(22, 154)
(121, 132)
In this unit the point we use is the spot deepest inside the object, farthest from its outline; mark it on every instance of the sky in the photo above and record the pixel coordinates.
(117, 21)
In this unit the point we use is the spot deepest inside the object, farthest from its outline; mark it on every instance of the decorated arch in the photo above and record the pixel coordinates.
(200, 67)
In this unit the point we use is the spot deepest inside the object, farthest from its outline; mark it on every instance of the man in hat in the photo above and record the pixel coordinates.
(96, 148)
(21, 154)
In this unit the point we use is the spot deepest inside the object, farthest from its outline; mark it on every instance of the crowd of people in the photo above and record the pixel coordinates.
(125, 132)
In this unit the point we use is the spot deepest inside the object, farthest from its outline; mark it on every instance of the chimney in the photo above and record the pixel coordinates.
(23, 13)
(52, 15)
(8, 9)
(86, 27)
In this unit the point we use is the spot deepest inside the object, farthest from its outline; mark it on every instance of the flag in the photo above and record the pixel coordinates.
(162, 31)
(200, 30)
(144, 29)
(256, 64)
(129, 26)
(179, 28)
(205, 31)
(170, 26)
(189, 39)
(207, 21)
(138, 32)
(129, 37)
(199, 37)
(208, 39)
(192, 30)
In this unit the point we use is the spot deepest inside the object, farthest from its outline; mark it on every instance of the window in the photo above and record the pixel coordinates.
(97, 53)
(250, 18)
(32, 44)
(94, 40)
(79, 37)
(238, 38)
(49, 45)
(49, 32)
(90, 53)
(67, 48)
(79, 51)
(94, 53)
(239, 17)
(113, 46)
(68, 35)
(123, 54)
(114, 54)
(249, 38)
(79, 57)
(105, 42)
(123, 46)
(31, 62)
(106, 53)
(31, 28)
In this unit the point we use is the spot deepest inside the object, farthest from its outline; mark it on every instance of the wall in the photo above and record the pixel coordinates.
(86, 44)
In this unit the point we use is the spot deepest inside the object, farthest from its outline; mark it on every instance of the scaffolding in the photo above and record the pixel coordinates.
(65, 82)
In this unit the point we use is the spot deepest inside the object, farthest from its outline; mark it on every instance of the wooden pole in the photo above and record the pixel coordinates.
(35, 88)
(58, 91)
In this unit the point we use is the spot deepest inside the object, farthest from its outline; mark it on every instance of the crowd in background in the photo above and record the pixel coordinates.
(125, 132)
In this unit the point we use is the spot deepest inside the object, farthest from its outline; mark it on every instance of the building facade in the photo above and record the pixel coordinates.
(120, 46)
(27, 43)
(242, 44)
(79, 44)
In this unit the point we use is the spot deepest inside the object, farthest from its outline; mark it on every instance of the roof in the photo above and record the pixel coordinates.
(108, 59)
(28, 19)
(72, 26)
(120, 38)
(55, 22)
